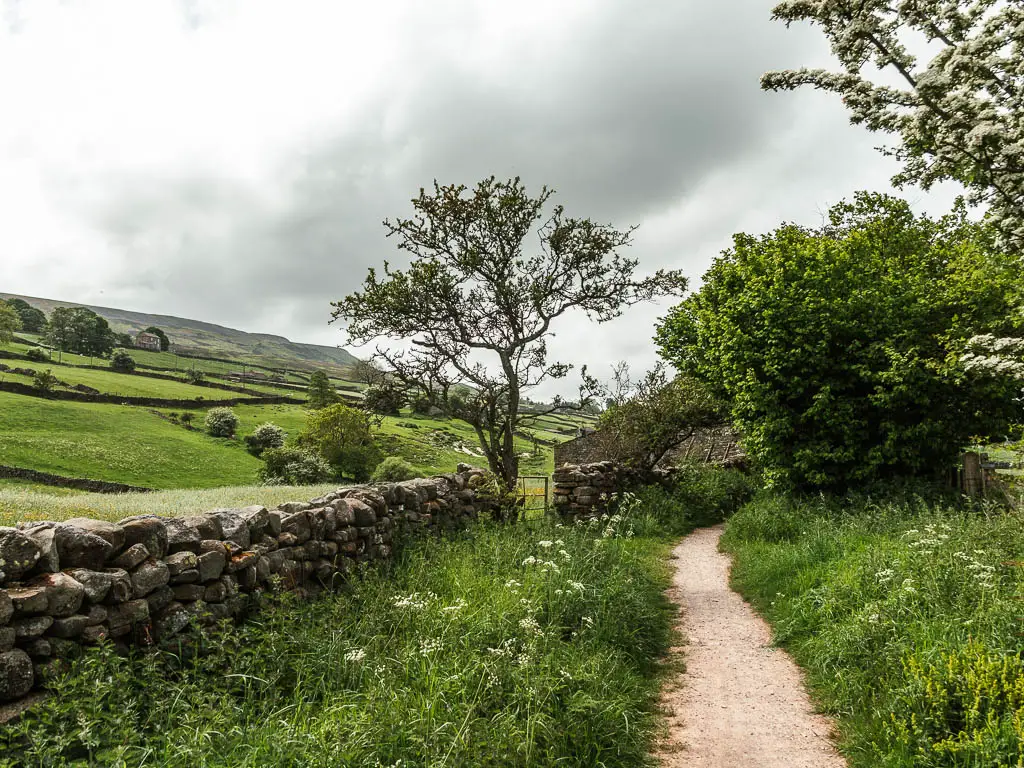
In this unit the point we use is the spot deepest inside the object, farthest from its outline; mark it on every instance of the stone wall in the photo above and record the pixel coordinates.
(145, 579)
(583, 490)
(720, 445)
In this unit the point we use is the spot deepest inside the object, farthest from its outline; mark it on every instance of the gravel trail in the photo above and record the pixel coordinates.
(740, 702)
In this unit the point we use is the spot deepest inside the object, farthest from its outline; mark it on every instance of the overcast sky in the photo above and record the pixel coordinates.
(231, 160)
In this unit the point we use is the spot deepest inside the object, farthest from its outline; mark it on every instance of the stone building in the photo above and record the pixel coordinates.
(150, 341)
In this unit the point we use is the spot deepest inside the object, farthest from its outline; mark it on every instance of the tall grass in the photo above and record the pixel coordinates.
(503, 646)
(907, 614)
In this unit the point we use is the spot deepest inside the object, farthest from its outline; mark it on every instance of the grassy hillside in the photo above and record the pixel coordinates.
(211, 340)
(116, 443)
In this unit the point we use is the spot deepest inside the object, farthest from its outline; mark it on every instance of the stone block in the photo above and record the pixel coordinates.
(189, 593)
(211, 564)
(297, 524)
(31, 626)
(181, 561)
(16, 675)
(182, 536)
(147, 530)
(18, 553)
(159, 599)
(111, 532)
(131, 557)
(148, 576)
(126, 614)
(69, 626)
(64, 595)
(235, 528)
(28, 600)
(78, 548)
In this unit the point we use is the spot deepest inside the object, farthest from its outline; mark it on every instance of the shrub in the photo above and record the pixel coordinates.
(394, 469)
(44, 380)
(291, 465)
(265, 436)
(37, 355)
(841, 350)
(221, 422)
(383, 399)
(341, 435)
(120, 360)
(186, 417)
(194, 377)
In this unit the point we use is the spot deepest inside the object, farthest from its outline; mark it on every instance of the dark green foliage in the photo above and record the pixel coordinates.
(194, 376)
(77, 329)
(121, 360)
(124, 340)
(394, 469)
(265, 436)
(699, 495)
(165, 343)
(33, 319)
(384, 399)
(839, 348)
(221, 422)
(321, 392)
(36, 354)
(44, 380)
(291, 465)
(906, 614)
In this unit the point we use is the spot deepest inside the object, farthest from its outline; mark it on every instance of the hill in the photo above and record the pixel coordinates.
(194, 337)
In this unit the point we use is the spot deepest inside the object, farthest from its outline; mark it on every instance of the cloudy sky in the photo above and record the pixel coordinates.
(231, 160)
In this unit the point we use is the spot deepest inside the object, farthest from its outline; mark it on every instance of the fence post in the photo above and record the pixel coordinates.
(973, 480)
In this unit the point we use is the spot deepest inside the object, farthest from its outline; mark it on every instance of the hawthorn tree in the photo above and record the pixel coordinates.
(320, 393)
(958, 115)
(477, 303)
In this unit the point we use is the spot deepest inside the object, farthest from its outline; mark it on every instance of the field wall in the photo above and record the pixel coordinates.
(146, 579)
(583, 490)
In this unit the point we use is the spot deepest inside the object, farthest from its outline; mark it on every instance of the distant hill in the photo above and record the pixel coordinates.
(194, 337)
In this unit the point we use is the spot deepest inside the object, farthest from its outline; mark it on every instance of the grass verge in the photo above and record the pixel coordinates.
(502, 646)
(907, 615)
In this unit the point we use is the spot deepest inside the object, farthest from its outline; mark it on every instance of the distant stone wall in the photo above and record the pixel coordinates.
(61, 481)
(150, 402)
(145, 579)
(581, 491)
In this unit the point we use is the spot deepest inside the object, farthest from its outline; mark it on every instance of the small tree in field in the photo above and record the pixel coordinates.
(959, 115)
(264, 437)
(44, 381)
(121, 361)
(10, 322)
(478, 308)
(321, 393)
(221, 422)
(341, 435)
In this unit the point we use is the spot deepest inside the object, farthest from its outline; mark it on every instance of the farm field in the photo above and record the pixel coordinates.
(115, 443)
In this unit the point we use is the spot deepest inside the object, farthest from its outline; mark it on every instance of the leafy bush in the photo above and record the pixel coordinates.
(44, 380)
(906, 614)
(186, 417)
(341, 435)
(841, 349)
(699, 495)
(263, 437)
(192, 376)
(291, 465)
(121, 360)
(383, 399)
(394, 469)
(221, 422)
(37, 354)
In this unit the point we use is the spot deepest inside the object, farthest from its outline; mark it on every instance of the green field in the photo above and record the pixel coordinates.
(125, 384)
(116, 443)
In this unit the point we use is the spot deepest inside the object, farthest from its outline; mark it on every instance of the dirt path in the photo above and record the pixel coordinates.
(740, 701)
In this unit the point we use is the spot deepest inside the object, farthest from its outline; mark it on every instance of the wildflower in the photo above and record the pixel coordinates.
(413, 602)
(354, 656)
(531, 560)
(565, 554)
(455, 607)
(513, 584)
(578, 586)
(545, 544)
(559, 542)
(885, 575)
(429, 646)
(530, 625)
(588, 621)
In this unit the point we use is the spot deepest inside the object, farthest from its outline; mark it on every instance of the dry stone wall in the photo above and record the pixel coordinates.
(585, 490)
(144, 579)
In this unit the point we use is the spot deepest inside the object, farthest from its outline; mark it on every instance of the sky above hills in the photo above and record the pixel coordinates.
(231, 160)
